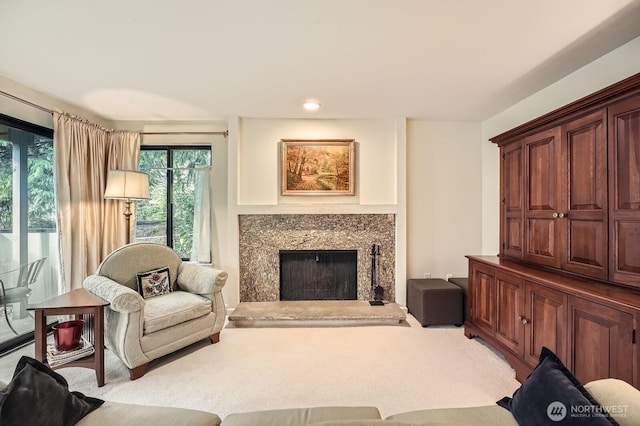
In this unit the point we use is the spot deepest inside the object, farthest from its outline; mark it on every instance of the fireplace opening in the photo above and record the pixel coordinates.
(318, 274)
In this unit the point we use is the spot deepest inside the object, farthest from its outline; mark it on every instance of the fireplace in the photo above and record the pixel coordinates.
(318, 274)
(262, 236)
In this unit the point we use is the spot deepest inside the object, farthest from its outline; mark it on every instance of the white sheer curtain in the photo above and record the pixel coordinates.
(201, 249)
(90, 227)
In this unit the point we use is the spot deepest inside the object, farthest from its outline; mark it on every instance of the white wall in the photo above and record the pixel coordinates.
(444, 199)
(33, 115)
(604, 71)
(259, 156)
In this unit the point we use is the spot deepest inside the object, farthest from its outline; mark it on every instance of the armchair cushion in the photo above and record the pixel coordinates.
(173, 308)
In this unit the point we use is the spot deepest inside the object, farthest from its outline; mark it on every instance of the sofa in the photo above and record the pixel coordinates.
(140, 329)
(608, 392)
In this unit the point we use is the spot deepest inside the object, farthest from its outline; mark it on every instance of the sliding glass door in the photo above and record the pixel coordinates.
(27, 225)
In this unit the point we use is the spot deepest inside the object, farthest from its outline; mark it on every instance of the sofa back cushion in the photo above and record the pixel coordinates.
(123, 264)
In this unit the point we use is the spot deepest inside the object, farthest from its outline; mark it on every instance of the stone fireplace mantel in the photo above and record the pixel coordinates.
(262, 236)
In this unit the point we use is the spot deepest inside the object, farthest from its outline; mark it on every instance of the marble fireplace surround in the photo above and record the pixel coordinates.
(262, 236)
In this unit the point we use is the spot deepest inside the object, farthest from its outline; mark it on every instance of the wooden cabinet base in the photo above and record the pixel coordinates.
(590, 325)
(521, 368)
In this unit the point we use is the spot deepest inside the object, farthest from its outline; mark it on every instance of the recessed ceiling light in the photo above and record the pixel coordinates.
(311, 106)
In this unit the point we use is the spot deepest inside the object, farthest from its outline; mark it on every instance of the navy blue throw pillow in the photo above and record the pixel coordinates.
(552, 395)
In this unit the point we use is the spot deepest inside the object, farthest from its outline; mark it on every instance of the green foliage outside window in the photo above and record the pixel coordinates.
(41, 210)
(152, 215)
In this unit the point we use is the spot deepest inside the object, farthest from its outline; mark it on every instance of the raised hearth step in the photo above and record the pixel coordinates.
(314, 313)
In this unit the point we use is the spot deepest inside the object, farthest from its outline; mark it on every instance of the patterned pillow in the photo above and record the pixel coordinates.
(154, 283)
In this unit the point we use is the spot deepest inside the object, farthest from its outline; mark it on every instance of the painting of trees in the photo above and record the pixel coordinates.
(318, 167)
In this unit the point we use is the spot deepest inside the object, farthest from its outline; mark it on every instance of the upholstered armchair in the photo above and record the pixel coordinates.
(139, 329)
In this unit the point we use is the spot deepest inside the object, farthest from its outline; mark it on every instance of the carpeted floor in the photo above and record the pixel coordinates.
(393, 368)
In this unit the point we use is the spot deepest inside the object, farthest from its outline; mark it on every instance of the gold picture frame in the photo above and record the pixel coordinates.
(317, 167)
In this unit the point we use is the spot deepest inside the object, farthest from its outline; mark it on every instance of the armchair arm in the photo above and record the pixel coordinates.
(121, 297)
(200, 279)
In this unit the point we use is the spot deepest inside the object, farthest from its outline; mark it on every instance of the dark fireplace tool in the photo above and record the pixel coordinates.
(377, 292)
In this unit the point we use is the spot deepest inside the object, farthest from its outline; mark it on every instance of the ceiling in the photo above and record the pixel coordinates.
(212, 59)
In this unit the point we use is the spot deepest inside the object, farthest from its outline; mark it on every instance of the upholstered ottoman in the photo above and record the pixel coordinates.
(434, 301)
(463, 283)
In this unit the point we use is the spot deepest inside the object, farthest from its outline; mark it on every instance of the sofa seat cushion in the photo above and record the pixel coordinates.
(301, 416)
(621, 400)
(113, 413)
(170, 309)
(468, 416)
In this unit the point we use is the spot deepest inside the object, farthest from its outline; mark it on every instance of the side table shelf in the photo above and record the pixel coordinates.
(77, 302)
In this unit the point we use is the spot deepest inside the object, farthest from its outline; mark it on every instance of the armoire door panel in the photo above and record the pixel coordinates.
(627, 239)
(601, 340)
(587, 163)
(587, 250)
(482, 293)
(513, 235)
(624, 191)
(509, 325)
(512, 185)
(541, 191)
(584, 206)
(541, 241)
(627, 157)
(546, 311)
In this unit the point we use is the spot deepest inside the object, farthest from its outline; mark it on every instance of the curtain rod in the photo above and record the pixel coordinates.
(41, 108)
(24, 101)
(224, 133)
(181, 168)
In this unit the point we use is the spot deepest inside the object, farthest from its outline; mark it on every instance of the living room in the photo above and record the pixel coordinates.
(435, 172)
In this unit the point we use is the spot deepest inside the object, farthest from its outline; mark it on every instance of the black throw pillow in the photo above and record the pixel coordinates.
(552, 395)
(37, 395)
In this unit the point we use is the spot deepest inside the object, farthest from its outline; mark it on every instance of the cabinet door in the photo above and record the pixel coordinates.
(512, 190)
(546, 319)
(624, 192)
(601, 341)
(542, 153)
(584, 206)
(510, 311)
(482, 296)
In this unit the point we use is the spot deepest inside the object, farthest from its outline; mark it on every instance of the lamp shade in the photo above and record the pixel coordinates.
(127, 185)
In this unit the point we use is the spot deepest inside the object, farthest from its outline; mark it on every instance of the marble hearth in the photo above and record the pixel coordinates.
(262, 236)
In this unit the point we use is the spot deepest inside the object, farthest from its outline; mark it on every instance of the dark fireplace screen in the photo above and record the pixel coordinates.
(318, 274)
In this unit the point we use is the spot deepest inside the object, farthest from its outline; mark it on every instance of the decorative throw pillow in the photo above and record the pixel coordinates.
(154, 283)
(552, 394)
(39, 395)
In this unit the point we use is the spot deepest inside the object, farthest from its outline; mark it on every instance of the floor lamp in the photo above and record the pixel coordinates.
(127, 185)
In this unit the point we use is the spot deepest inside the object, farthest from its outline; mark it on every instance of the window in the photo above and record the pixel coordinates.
(168, 217)
(27, 218)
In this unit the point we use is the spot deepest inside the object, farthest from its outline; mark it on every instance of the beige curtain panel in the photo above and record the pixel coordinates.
(89, 227)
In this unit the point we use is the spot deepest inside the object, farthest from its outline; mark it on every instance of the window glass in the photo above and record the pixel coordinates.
(27, 220)
(167, 218)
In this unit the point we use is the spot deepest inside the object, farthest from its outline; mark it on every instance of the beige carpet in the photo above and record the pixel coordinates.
(393, 368)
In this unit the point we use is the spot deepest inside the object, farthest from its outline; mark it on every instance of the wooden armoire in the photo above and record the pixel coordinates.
(568, 272)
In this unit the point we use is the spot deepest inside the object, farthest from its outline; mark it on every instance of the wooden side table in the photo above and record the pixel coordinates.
(76, 302)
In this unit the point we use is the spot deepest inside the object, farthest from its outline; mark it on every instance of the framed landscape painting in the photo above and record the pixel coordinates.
(317, 167)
